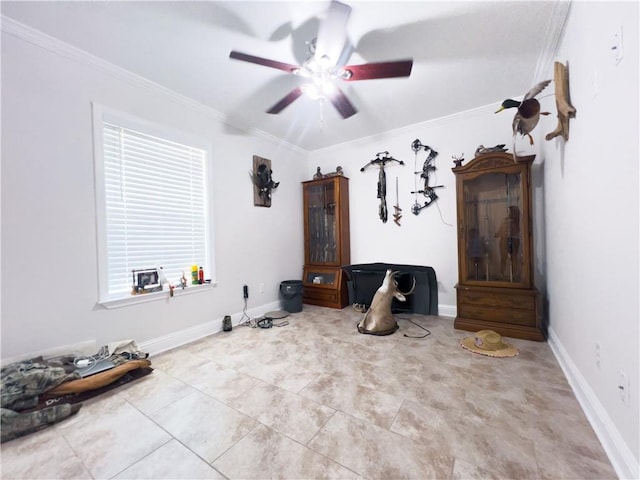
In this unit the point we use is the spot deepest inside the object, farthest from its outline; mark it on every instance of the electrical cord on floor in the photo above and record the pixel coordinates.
(417, 325)
(261, 322)
(267, 322)
(411, 321)
(246, 320)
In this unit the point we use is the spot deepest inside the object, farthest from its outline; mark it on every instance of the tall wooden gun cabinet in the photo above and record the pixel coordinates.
(326, 241)
(495, 287)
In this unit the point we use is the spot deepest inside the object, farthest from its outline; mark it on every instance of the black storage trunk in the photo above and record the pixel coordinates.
(366, 278)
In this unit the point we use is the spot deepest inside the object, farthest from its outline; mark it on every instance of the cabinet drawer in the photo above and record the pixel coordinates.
(500, 315)
(320, 294)
(496, 299)
(324, 297)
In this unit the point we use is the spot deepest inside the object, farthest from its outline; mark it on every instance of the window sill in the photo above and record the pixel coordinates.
(154, 296)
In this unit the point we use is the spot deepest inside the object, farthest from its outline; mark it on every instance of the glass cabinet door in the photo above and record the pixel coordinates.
(320, 276)
(321, 223)
(494, 228)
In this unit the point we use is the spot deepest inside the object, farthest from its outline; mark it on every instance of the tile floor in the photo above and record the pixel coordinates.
(316, 399)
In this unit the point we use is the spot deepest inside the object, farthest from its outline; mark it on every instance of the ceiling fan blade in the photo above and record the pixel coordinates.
(332, 33)
(286, 101)
(400, 68)
(342, 104)
(287, 67)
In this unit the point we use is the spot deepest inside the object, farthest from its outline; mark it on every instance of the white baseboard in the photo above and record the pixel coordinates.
(188, 335)
(619, 453)
(88, 347)
(155, 345)
(447, 310)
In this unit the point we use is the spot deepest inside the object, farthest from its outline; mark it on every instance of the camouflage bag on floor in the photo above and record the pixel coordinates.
(15, 425)
(23, 381)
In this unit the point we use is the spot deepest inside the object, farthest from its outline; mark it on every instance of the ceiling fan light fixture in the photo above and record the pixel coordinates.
(318, 90)
(313, 66)
(328, 89)
(321, 73)
(312, 91)
(325, 65)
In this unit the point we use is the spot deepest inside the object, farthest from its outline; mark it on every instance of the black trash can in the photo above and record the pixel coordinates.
(291, 293)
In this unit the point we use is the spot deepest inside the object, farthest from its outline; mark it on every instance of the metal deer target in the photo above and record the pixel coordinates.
(380, 161)
(427, 168)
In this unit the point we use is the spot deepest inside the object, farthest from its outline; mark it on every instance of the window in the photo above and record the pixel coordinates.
(152, 203)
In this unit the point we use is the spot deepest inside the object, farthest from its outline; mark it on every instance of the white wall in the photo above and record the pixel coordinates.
(430, 237)
(49, 271)
(591, 212)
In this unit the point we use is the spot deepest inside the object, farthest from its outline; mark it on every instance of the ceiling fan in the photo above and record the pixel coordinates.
(324, 66)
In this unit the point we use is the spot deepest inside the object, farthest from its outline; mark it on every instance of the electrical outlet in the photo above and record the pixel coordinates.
(623, 387)
(598, 358)
(616, 46)
(262, 288)
(245, 291)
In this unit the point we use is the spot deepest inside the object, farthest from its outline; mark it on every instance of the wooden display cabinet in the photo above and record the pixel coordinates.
(495, 287)
(326, 241)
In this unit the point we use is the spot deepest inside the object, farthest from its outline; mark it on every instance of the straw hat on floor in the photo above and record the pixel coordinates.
(489, 343)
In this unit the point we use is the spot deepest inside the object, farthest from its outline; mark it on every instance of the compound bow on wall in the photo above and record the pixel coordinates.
(428, 166)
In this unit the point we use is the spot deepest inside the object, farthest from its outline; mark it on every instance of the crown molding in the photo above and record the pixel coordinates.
(58, 47)
(410, 129)
(553, 36)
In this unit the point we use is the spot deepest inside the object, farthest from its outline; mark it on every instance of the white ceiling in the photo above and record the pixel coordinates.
(466, 55)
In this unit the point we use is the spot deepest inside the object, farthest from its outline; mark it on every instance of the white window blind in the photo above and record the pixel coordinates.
(155, 207)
